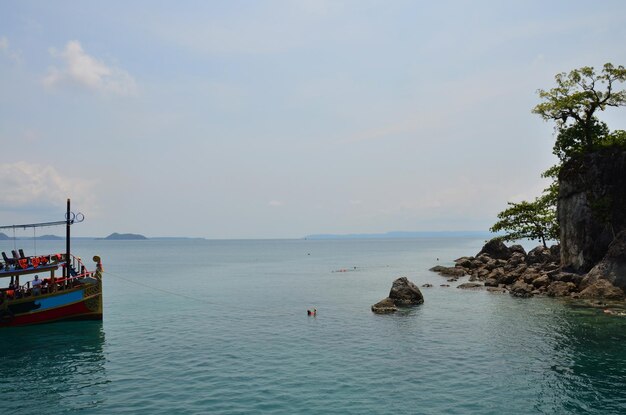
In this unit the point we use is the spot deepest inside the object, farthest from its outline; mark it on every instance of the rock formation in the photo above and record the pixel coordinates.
(591, 206)
(612, 267)
(591, 211)
(539, 273)
(403, 293)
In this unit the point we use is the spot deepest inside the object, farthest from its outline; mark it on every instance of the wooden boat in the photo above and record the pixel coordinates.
(59, 287)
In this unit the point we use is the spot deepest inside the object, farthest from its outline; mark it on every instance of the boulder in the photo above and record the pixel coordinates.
(470, 286)
(555, 250)
(515, 273)
(403, 293)
(465, 262)
(517, 249)
(540, 255)
(521, 289)
(483, 273)
(516, 259)
(448, 271)
(567, 277)
(509, 277)
(483, 258)
(491, 282)
(541, 281)
(491, 265)
(385, 306)
(497, 273)
(613, 266)
(497, 290)
(530, 277)
(496, 249)
(602, 289)
(561, 289)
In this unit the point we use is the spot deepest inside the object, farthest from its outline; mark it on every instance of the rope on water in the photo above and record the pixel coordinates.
(201, 300)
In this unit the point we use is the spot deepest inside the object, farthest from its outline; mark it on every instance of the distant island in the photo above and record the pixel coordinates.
(50, 237)
(5, 237)
(124, 236)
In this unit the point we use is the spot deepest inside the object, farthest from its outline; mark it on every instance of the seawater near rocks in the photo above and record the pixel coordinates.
(403, 293)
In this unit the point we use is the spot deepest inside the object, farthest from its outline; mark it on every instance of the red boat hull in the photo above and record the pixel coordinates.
(81, 303)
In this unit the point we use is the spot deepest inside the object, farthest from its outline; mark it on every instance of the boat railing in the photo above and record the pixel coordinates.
(35, 262)
(25, 262)
(69, 279)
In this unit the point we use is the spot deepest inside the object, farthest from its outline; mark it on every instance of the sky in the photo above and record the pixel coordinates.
(279, 119)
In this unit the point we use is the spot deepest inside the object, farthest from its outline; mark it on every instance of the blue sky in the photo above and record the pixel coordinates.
(278, 119)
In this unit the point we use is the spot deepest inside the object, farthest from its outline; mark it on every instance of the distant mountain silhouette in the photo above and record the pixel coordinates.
(50, 237)
(4, 237)
(124, 236)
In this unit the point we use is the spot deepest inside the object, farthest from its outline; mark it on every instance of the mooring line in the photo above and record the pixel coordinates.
(189, 297)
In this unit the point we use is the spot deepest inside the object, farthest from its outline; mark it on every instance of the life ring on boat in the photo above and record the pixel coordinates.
(6, 316)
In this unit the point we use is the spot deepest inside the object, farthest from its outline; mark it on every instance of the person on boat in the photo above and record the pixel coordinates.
(36, 284)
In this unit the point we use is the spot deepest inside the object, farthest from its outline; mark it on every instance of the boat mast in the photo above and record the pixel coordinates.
(67, 240)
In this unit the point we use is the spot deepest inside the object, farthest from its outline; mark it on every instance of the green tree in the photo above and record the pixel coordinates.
(574, 102)
(532, 220)
(570, 140)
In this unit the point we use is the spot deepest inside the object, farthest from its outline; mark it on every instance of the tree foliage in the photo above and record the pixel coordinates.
(531, 220)
(570, 140)
(574, 102)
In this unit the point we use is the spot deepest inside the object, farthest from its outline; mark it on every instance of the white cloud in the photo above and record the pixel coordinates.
(6, 50)
(88, 72)
(35, 186)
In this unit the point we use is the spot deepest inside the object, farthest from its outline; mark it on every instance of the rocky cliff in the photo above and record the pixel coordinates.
(591, 207)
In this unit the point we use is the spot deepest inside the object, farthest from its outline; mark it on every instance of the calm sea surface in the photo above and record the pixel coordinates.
(196, 326)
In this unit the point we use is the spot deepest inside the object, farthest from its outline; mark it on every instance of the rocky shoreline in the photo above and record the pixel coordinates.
(538, 272)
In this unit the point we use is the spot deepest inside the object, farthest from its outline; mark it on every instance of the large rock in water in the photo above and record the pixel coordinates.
(403, 293)
(385, 306)
(496, 249)
(591, 206)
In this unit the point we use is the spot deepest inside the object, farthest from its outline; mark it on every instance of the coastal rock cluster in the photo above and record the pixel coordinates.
(538, 272)
(403, 293)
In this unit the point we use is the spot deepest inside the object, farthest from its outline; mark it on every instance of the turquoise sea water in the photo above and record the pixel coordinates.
(195, 326)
